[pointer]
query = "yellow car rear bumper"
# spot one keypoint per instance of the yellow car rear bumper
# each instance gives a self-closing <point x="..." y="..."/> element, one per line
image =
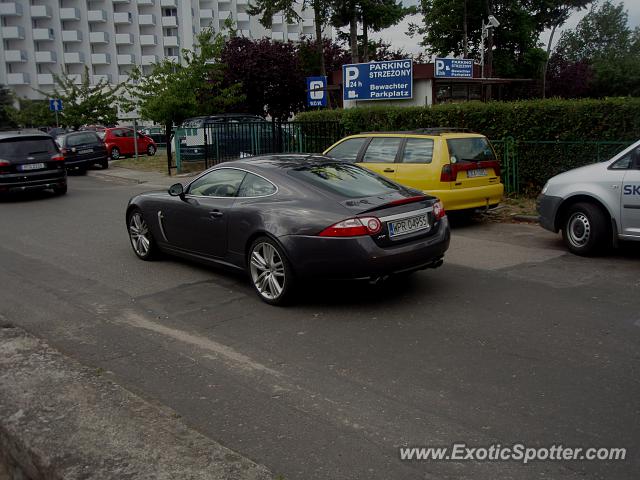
<point x="468" y="198"/>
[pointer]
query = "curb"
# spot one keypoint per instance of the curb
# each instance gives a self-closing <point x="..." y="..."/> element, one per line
<point x="62" y="420"/>
<point x="527" y="218"/>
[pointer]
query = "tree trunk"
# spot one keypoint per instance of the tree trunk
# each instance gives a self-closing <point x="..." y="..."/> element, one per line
<point x="546" y="63"/>
<point x="465" y="37"/>
<point x="167" y="132"/>
<point x="489" y="67"/>
<point x="365" y="40"/>
<point x="353" y="33"/>
<point x="319" y="21"/>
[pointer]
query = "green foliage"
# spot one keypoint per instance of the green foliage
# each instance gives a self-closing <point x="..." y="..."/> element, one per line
<point x="33" y="113"/>
<point x="84" y="103"/>
<point x="613" y="119"/>
<point x="6" y="108"/>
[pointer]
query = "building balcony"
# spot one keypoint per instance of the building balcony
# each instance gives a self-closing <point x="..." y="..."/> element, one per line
<point x="17" y="78"/>
<point x="145" y="20"/>
<point x="98" y="37"/>
<point x="45" y="79"/>
<point x="100" y="59"/>
<point x="242" y="2"/>
<point x="126" y="59"/>
<point x="293" y="36"/>
<point x="46" y="57"/>
<point x="243" y="17"/>
<point x="12" y="33"/>
<point x="71" y="36"/>
<point x="121" y="1"/>
<point x="124" y="39"/>
<point x="146" y="2"/>
<point x="69" y="14"/>
<point x="278" y="36"/>
<point x="123" y="78"/>
<point x="169" y="21"/>
<point x="42" y="34"/>
<point x="120" y="18"/>
<point x="224" y="14"/>
<point x="148" y="59"/>
<point x="40" y="11"/>
<point x="169" y="3"/>
<point x="10" y="9"/>
<point x="96" y="79"/>
<point x="15" y="56"/>
<point x="173" y="58"/>
<point x="170" y="41"/>
<point x="97" y="16"/>
<point x="73" y="57"/>
<point x="75" y="78"/>
<point x="307" y="22"/>
<point x="148" y="40"/>
<point x="206" y="14"/>
<point x="277" y="20"/>
<point x="245" y="33"/>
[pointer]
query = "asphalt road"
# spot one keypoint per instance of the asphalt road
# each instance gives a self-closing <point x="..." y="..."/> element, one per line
<point x="512" y="340"/>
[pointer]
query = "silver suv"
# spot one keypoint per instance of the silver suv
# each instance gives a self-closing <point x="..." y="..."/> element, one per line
<point x="595" y="206"/>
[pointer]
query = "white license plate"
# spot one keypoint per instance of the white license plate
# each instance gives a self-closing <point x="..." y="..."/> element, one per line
<point x="478" y="172"/>
<point x="32" y="166"/>
<point x="408" y="225"/>
<point x="86" y="150"/>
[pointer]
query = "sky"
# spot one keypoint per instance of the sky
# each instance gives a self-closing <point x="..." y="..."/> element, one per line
<point x="397" y="37"/>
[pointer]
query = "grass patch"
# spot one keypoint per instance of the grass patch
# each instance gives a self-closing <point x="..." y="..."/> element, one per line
<point x="156" y="163"/>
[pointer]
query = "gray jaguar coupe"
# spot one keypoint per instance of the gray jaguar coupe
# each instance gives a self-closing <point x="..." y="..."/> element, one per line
<point x="282" y="218"/>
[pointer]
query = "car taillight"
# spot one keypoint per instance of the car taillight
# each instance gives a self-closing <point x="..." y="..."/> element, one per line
<point x="447" y="174"/>
<point x="4" y="163"/>
<point x="438" y="210"/>
<point x="57" y="158"/>
<point x="353" y="227"/>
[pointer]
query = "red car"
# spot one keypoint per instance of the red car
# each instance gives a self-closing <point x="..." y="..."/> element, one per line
<point x="120" y="143"/>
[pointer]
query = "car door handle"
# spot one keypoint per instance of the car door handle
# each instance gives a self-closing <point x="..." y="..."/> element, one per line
<point x="388" y="170"/>
<point x="215" y="214"/>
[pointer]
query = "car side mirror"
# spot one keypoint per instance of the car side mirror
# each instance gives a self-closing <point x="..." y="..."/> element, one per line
<point x="176" y="190"/>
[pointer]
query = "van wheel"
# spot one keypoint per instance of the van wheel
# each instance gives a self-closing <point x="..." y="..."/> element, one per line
<point x="586" y="230"/>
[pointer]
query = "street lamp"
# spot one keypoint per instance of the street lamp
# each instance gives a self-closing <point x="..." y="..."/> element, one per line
<point x="492" y="23"/>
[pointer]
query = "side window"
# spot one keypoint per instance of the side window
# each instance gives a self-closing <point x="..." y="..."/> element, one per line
<point x="117" y="133"/>
<point x="222" y="182"/>
<point x="347" y="150"/>
<point x="255" y="186"/>
<point x="382" y="150"/>
<point x="629" y="161"/>
<point x="418" y="150"/>
<point x="127" y="133"/>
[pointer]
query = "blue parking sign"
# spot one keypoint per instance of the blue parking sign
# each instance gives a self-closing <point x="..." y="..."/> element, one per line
<point x="55" y="104"/>
<point x="453" y="68"/>
<point x="317" y="91"/>
<point x="389" y="80"/>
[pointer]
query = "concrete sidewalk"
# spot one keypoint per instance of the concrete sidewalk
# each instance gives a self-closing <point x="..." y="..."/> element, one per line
<point x="128" y="175"/>
<point x="60" y="420"/>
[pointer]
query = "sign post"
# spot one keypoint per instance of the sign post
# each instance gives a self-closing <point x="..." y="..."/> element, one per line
<point x="55" y="105"/>
<point x="389" y="80"/>
<point x="317" y="91"/>
<point x="453" y="68"/>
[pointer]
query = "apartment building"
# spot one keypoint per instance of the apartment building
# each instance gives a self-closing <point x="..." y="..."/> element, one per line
<point x="43" y="37"/>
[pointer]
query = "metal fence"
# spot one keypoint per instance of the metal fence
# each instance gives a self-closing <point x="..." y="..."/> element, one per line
<point x="526" y="164"/>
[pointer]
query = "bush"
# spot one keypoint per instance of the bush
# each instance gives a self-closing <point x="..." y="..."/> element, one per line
<point x="612" y="119"/>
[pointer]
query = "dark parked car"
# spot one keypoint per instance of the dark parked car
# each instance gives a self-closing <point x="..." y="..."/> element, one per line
<point x="30" y="160"/>
<point x="83" y="149"/>
<point x="55" y="132"/>
<point x="286" y="217"/>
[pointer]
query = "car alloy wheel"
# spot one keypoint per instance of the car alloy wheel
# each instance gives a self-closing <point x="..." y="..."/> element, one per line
<point x="578" y="229"/>
<point x="268" y="271"/>
<point x="151" y="150"/>
<point x="115" y="153"/>
<point x="140" y="235"/>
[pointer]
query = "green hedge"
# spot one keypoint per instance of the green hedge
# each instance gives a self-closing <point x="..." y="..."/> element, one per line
<point x="611" y="120"/>
<point x="552" y="119"/>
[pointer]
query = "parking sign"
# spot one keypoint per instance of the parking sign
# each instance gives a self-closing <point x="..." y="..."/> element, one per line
<point x="389" y="80"/>
<point x="317" y="91"/>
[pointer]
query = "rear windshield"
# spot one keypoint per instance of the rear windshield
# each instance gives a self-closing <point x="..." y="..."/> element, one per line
<point x="344" y="179"/>
<point x="26" y="146"/>
<point x="82" y="139"/>
<point x="475" y="149"/>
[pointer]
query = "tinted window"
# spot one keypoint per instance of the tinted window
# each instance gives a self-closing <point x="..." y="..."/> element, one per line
<point x="223" y="182"/>
<point x="82" y="139"/>
<point x="471" y="149"/>
<point x="382" y="150"/>
<point x="26" y="146"/>
<point x="626" y="162"/>
<point x="347" y="180"/>
<point x="347" y="150"/>
<point x="255" y="186"/>
<point x="418" y="150"/>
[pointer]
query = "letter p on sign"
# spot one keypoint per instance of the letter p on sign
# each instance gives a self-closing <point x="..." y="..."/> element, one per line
<point x="351" y="73"/>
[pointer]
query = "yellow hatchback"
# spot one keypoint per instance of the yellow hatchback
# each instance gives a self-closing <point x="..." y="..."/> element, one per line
<point x="459" y="168"/>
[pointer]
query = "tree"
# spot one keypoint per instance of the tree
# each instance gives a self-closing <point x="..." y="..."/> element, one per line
<point x="83" y="102"/>
<point x="6" y="108"/>
<point x="267" y="8"/>
<point x="176" y="91"/>
<point x="33" y="113"/>
<point x="604" y="41"/>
